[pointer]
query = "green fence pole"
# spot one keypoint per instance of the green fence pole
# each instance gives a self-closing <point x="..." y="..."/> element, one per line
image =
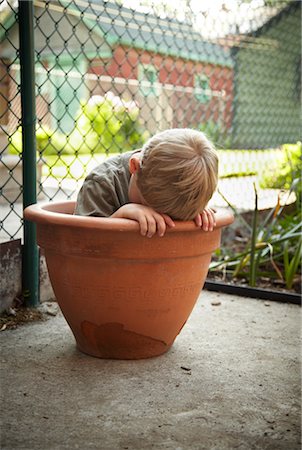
<point x="30" y="256"/>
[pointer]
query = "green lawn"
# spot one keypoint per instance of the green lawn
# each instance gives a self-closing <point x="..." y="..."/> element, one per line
<point x="68" y="166"/>
<point x="246" y="162"/>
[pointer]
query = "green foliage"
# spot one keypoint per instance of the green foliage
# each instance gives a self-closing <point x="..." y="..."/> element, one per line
<point x="221" y="138"/>
<point x="51" y="142"/>
<point x="273" y="249"/>
<point x="15" y="142"/>
<point x="292" y="250"/>
<point x="103" y="125"/>
<point x="287" y="167"/>
<point x="274" y="3"/>
<point x="107" y="124"/>
<point x="48" y="142"/>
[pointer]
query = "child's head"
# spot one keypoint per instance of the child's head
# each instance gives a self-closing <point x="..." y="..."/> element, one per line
<point x="178" y="172"/>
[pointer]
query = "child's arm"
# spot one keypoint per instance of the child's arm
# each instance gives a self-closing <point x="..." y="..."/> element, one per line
<point x="206" y="219"/>
<point x="149" y="220"/>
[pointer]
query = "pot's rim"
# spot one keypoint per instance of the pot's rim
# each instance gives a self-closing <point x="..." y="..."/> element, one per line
<point x="61" y="213"/>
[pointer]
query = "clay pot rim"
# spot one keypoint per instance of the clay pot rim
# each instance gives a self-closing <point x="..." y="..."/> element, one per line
<point x="50" y="214"/>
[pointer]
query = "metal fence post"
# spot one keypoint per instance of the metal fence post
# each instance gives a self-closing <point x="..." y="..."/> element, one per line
<point x="30" y="257"/>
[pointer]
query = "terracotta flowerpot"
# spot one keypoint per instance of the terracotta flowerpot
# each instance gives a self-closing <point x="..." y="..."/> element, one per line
<point x="123" y="295"/>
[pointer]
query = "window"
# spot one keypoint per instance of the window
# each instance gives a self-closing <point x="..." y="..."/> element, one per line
<point x="202" y="88"/>
<point x="148" y="77"/>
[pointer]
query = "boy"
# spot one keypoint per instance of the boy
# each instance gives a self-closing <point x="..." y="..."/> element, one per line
<point x="171" y="178"/>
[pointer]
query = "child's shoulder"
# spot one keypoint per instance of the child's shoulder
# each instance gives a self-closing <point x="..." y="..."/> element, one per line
<point x="119" y="158"/>
<point x="112" y="165"/>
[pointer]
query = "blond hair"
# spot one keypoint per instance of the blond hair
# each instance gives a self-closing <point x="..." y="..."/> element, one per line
<point x="178" y="173"/>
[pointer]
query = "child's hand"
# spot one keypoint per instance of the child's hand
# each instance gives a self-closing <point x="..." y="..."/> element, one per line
<point x="206" y="219"/>
<point x="149" y="220"/>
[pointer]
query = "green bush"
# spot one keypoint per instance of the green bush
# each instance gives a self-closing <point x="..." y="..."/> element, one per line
<point x="15" y="142"/>
<point x="107" y="124"/>
<point x="286" y="169"/>
<point x="48" y="142"/>
<point x="52" y="142"/>
<point x="103" y="125"/>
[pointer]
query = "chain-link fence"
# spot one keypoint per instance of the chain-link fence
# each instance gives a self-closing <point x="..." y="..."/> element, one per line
<point x="108" y="74"/>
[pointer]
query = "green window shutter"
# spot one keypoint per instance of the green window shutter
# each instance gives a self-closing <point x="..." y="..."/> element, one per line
<point x="68" y="91"/>
<point x="202" y="88"/>
<point x="148" y="77"/>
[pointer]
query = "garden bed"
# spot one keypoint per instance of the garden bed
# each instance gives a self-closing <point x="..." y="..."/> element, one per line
<point x="272" y="270"/>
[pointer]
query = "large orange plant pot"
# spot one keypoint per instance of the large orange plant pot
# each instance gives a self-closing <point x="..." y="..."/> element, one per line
<point x="123" y="295"/>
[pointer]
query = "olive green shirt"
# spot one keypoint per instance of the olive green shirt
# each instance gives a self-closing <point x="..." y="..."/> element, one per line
<point x="105" y="189"/>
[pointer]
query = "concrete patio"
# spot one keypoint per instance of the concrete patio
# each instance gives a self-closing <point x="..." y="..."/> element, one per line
<point x="231" y="381"/>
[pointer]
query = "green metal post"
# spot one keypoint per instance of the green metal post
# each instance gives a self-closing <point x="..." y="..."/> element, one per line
<point x="30" y="256"/>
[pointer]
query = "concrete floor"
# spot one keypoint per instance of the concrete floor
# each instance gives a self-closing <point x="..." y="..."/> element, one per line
<point x="231" y="381"/>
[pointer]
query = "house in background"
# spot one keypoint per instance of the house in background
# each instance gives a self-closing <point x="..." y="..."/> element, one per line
<point x="85" y="49"/>
<point x="178" y="79"/>
<point x="267" y="83"/>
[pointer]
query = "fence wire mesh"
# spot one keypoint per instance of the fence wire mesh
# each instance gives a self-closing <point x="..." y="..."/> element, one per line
<point x="109" y="74"/>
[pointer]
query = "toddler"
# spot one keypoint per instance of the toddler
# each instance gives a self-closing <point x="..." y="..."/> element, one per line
<point x="171" y="178"/>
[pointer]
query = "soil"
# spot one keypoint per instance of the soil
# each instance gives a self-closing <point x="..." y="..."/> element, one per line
<point x="20" y="316"/>
<point x="262" y="283"/>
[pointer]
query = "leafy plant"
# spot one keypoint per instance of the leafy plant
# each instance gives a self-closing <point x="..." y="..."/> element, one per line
<point x="49" y="142"/>
<point x="107" y="124"/>
<point x="103" y="125"/>
<point x="288" y="167"/>
<point x="273" y="249"/>
<point x="291" y="260"/>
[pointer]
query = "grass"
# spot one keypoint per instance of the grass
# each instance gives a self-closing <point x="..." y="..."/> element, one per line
<point x="234" y="163"/>
<point x="231" y="163"/>
<point x="69" y="166"/>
